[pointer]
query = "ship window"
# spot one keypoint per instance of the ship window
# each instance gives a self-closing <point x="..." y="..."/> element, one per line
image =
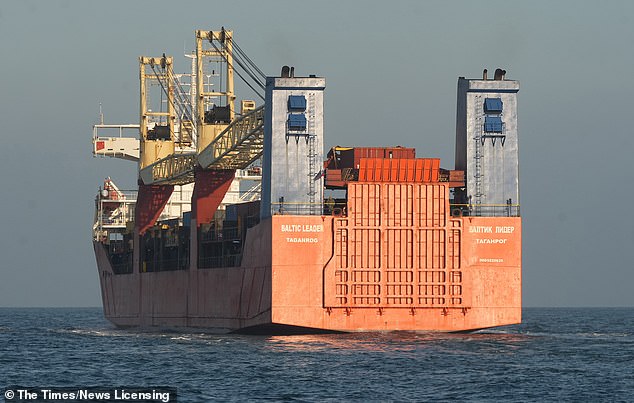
<point x="296" y="121"/>
<point x="493" y="105"/>
<point x="296" y="103"/>
<point x="493" y="124"/>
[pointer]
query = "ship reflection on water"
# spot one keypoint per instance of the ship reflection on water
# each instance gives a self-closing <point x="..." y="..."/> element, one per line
<point x="401" y="342"/>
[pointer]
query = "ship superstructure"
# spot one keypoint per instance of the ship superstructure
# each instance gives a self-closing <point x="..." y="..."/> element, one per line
<point x="240" y="223"/>
<point x="487" y="144"/>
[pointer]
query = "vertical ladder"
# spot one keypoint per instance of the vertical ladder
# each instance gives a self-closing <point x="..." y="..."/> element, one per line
<point x="185" y="111"/>
<point x="312" y="155"/>
<point x="181" y="104"/>
<point x="479" y="145"/>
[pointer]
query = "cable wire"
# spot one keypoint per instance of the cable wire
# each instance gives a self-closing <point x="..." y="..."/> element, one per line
<point x="239" y="62"/>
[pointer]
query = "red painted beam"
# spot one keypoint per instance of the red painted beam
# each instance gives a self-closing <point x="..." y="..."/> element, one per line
<point x="149" y="205"/>
<point x="210" y="188"/>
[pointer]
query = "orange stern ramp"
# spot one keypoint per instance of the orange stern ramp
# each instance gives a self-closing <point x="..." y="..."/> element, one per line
<point x="398" y="261"/>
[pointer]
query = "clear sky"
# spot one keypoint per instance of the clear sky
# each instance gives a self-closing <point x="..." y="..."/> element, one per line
<point x="391" y="71"/>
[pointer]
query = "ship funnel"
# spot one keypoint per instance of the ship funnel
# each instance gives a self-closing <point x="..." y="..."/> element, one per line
<point x="292" y="179"/>
<point x="487" y="112"/>
<point x="499" y="74"/>
<point x="484" y="74"/>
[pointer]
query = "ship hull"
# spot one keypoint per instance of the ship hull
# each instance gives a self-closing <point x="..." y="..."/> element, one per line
<point x="324" y="273"/>
<point x="219" y="300"/>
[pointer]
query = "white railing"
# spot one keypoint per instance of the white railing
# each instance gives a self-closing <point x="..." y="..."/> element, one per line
<point x="115" y="211"/>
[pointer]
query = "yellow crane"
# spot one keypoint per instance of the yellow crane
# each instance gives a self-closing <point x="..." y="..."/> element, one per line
<point x="221" y="140"/>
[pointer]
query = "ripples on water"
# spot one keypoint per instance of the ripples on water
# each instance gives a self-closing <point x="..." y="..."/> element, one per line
<point x="555" y="355"/>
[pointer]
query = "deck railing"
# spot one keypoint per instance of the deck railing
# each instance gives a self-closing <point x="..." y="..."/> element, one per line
<point x="485" y="210"/>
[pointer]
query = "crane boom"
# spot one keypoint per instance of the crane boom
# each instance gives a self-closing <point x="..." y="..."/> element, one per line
<point x="236" y="147"/>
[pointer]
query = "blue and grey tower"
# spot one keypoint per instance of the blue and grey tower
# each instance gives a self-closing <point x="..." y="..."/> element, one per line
<point x="487" y="145"/>
<point x="292" y="180"/>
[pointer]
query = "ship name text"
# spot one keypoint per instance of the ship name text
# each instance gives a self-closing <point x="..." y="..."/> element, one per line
<point x="482" y="229"/>
<point x="302" y="228"/>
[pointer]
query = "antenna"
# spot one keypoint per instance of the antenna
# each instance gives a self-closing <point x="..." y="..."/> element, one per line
<point x="100" y="114"/>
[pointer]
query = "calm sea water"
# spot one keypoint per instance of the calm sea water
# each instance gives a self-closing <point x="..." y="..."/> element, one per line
<point x="555" y="355"/>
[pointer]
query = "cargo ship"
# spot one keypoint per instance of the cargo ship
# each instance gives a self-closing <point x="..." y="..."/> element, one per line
<point x="240" y="223"/>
